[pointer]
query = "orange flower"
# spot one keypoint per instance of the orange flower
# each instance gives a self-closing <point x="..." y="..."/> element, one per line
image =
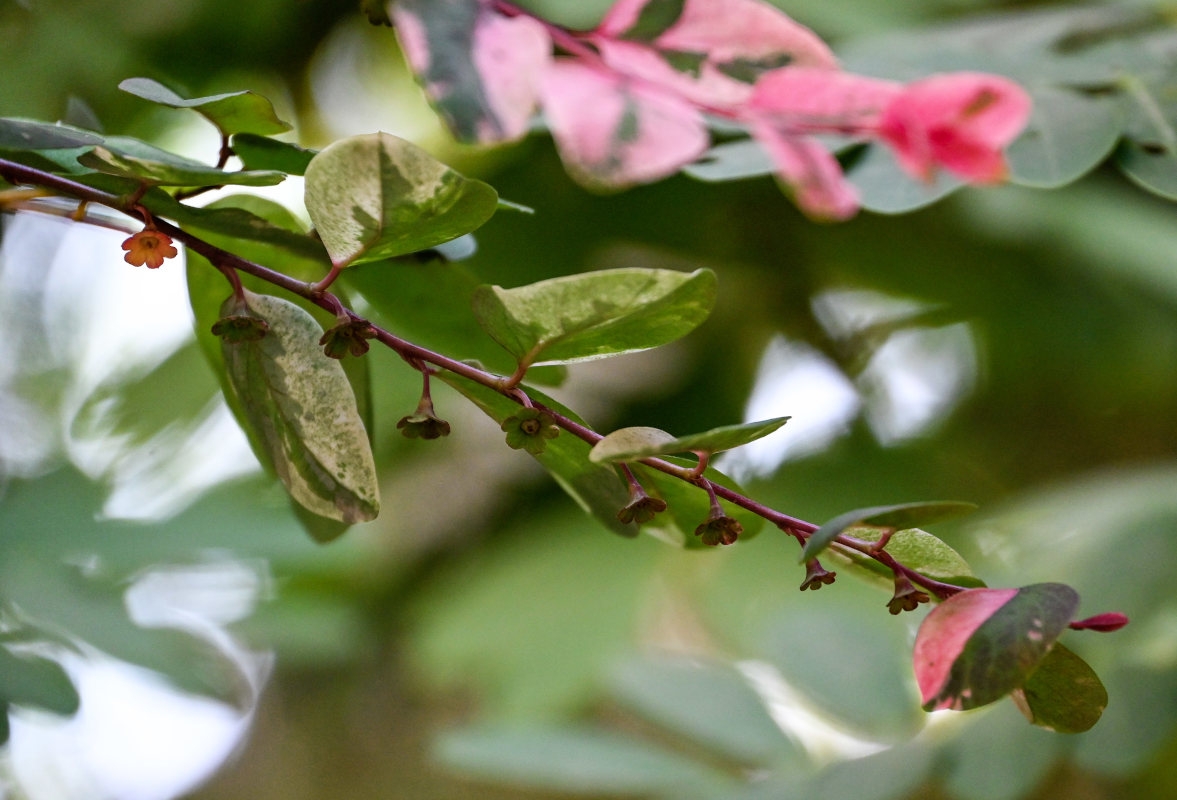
<point x="148" y="247"/>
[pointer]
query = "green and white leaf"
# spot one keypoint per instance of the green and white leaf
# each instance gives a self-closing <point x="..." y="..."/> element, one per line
<point x="595" y="314"/>
<point x="131" y="158"/>
<point x="1068" y="135"/>
<point x="377" y="196"/>
<point x="918" y="549"/>
<point x="23" y="134"/>
<point x="300" y="407"/>
<point x="234" y="112"/>
<point x="634" y="444"/>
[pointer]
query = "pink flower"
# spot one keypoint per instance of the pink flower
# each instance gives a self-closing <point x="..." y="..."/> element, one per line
<point x="961" y="121"/>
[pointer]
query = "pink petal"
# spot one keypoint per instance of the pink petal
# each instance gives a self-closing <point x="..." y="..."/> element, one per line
<point x="511" y="56"/>
<point x="961" y="121"/>
<point x="821" y="99"/>
<point x="813" y="174"/>
<point x="945" y="632"/>
<point x="613" y="133"/>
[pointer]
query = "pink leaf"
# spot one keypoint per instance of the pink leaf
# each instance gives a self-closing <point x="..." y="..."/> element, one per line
<point x="511" y="56"/>
<point x="944" y="633"/>
<point x="480" y="69"/>
<point x="961" y="121"/>
<point x="810" y="171"/>
<point x="819" y="99"/>
<point x="612" y="132"/>
<point x="713" y="51"/>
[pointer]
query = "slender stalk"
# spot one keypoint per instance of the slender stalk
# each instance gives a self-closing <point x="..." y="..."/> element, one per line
<point x="230" y="264"/>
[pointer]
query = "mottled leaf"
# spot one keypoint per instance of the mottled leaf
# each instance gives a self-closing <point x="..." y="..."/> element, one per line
<point x="634" y="444"/>
<point x="614" y="132"/>
<point x="300" y="405"/>
<point x="895" y="517"/>
<point x="130" y="158"/>
<point x="262" y="152"/>
<point x="480" y="69"/>
<point x="234" y="112"/>
<point x="1063" y="694"/>
<point x="707" y="51"/>
<point x="981" y="644"/>
<point x="595" y="314"/>
<point x="920" y="550"/>
<point x="376" y="196"/>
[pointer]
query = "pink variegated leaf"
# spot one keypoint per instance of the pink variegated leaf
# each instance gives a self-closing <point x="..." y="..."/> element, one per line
<point x="710" y="51"/>
<point x="982" y="644"/>
<point x="480" y="69"/>
<point x="823" y="100"/>
<point x="612" y="132"/>
<point x="810" y="171"/>
<point x="959" y="121"/>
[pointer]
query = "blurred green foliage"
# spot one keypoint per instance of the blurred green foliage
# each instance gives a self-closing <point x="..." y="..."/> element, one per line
<point x="486" y="626"/>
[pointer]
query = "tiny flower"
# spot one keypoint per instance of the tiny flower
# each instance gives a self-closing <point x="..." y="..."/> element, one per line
<point x="1104" y="623"/>
<point x="347" y="337"/>
<point x="148" y="247"/>
<point x="424" y="423"/>
<point x="238" y="328"/>
<point x="529" y="430"/>
<point x="719" y="530"/>
<point x="641" y="509"/>
<point x="816" y="576"/>
<point x="906" y="597"/>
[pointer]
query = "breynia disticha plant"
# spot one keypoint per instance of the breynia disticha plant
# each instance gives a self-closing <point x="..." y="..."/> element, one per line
<point x="629" y="102"/>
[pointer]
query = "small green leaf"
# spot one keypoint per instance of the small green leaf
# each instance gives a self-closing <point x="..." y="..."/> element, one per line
<point x="634" y="444"/>
<point x="920" y="550"/>
<point x="1068" y="134"/>
<point x="1149" y="166"/>
<point x="980" y="645"/>
<point x="27" y="680"/>
<point x="574" y="759"/>
<point x="235" y="112"/>
<point x="896" y="517"/>
<point x="598" y="489"/>
<point x="732" y="161"/>
<point x="21" y="134"/>
<point x="1063" y="694"/>
<point x="596" y="314"/>
<point x="887" y="189"/>
<point x="300" y="407"/>
<point x="377" y="196"/>
<point x="262" y="152"/>
<point x="131" y="158"/>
